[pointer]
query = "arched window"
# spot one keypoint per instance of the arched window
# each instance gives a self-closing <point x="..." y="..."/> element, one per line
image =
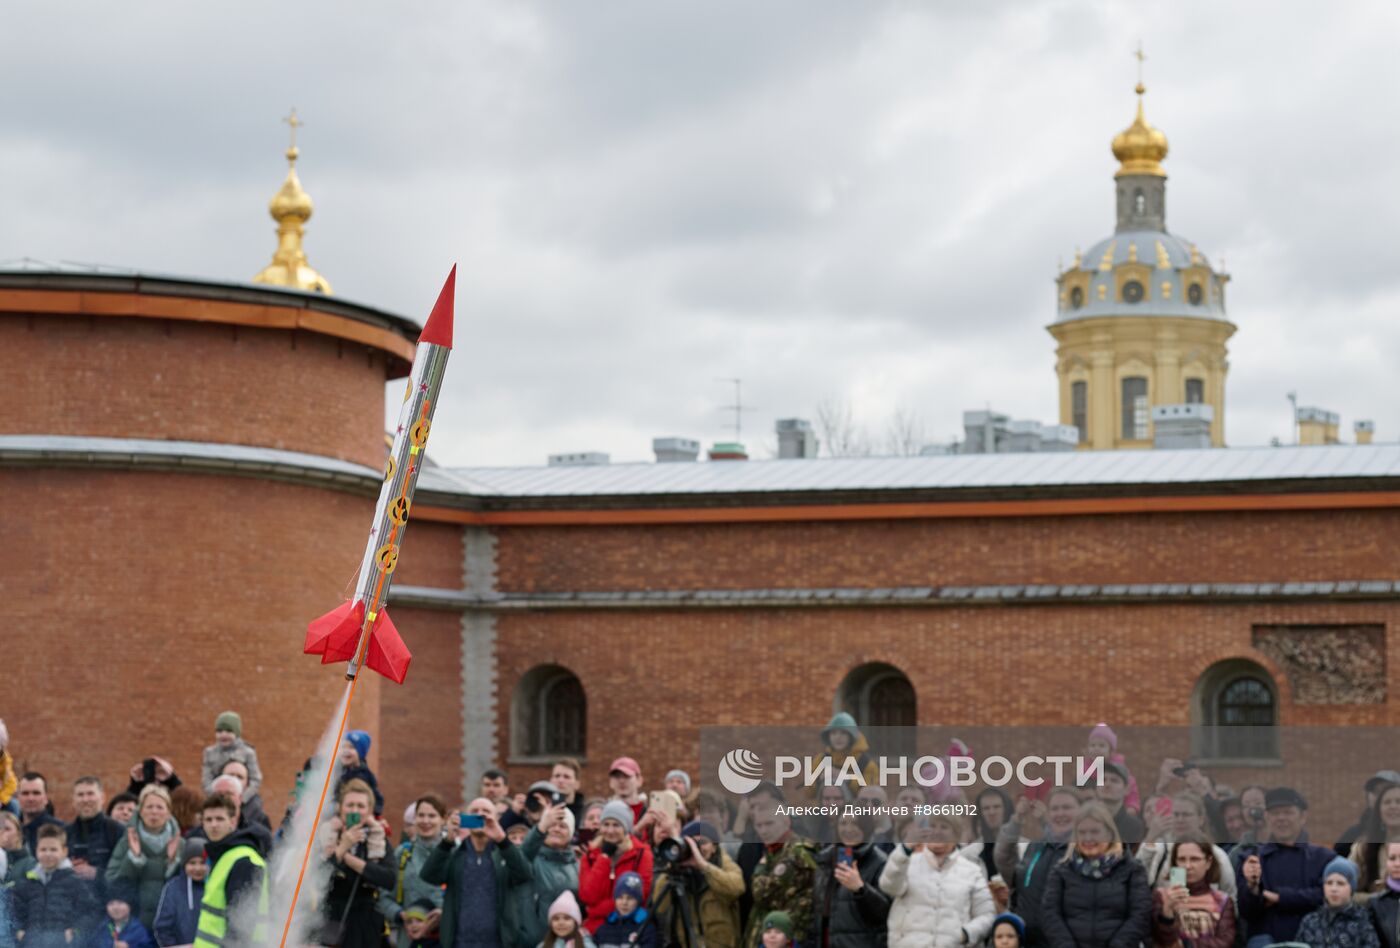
<point x="1235" y="713"/>
<point x="881" y="696"/>
<point x="1195" y="391"/>
<point x="1079" y="408"/>
<point x="1134" y="408"/>
<point x="1139" y="203"/>
<point x="549" y="714"/>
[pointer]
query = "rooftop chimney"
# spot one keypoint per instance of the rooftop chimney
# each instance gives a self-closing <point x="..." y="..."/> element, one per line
<point x="1365" y="431"/>
<point x="1182" y="426"/>
<point x="675" y="449"/>
<point x="796" y="439"/>
<point x="728" y="451"/>
<point x="986" y="432"/>
<point x="579" y="459"/>
<point x="1318" y="426"/>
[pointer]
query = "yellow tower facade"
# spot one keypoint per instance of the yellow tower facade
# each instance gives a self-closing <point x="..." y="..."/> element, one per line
<point x="1141" y="316"/>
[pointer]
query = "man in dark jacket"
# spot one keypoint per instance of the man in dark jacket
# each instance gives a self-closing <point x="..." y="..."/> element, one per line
<point x="35" y="808"/>
<point x="1281" y="882"/>
<point x="477" y="866"/>
<point x="92" y="836"/>
<point x="849" y="907"/>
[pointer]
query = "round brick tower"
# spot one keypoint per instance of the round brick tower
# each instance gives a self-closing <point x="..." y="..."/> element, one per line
<point x="188" y="469"/>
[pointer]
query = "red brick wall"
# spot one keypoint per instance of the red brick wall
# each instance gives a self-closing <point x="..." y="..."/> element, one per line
<point x="1219" y="547"/>
<point x="140" y="605"/>
<point x="145" y="378"/>
<point x="653" y="679"/>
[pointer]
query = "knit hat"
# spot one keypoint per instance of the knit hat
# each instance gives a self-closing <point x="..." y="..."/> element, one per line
<point x="1104" y="731"/>
<point x="617" y="810"/>
<point x="193" y="848"/>
<point x="841" y="721"/>
<point x="570" y="822"/>
<point x="1015" y="921"/>
<point x="360" y="741"/>
<point x="779" y="920"/>
<point x="410" y="814"/>
<point x="1113" y="767"/>
<point x="701" y="828"/>
<point x="629" y="883"/>
<point x="229" y="721"/>
<point x="566" y="904"/>
<point x="1343" y="867"/>
<point x="680" y="774"/>
<point x="511" y="818"/>
<point x="419" y="909"/>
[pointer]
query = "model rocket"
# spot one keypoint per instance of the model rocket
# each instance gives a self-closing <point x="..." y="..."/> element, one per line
<point x="360" y="632"/>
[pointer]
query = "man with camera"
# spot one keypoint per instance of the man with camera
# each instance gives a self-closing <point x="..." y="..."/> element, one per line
<point x="1281" y="881"/>
<point x="477" y="864"/>
<point x="698" y="887"/>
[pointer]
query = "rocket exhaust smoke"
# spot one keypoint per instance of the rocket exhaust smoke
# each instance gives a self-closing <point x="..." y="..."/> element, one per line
<point x="286" y="861"/>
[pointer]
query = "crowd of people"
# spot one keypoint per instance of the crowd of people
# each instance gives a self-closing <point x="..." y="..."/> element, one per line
<point x="1174" y="860"/>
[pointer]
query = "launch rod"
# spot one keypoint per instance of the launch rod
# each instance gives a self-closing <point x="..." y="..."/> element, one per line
<point x="315" y="819"/>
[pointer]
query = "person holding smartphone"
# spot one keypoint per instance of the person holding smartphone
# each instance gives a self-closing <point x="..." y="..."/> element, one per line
<point x="357" y="849"/>
<point x="1189" y="908"/>
<point x="478" y="865"/>
<point x="849" y="907"/>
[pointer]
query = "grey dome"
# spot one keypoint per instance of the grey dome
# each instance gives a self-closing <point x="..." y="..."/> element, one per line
<point x="1168" y="256"/>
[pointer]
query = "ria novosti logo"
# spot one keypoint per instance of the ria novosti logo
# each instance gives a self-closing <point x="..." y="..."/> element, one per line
<point x="740" y="771"/>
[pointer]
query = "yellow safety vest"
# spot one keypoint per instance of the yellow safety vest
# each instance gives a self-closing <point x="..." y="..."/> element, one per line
<point x="212" y="930"/>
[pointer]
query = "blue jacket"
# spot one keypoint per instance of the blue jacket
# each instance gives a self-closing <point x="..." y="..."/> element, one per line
<point x="1295" y="873"/>
<point x="133" y="933"/>
<point x="626" y="931"/>
<point x="177" y="913"/>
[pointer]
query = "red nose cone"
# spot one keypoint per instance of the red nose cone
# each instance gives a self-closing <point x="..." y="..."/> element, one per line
<point x="438" y="330"/>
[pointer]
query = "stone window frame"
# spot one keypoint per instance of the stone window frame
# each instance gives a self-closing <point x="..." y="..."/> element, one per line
<point x="531" y="711"/>
<point x="1211" y="686"/>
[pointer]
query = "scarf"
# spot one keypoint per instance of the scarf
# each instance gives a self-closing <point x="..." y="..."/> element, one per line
<point x="1392" y="883"/>
<point x="1095" y="868"/>
<point x="153" y="844"/>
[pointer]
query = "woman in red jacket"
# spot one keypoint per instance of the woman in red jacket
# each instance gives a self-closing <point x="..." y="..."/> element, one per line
<point x="613" y="851"/>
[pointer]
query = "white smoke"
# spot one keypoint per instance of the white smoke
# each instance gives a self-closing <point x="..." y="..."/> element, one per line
<point x="287" y="856"/>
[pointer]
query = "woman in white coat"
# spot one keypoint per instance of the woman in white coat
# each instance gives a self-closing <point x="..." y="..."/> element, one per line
<point x="940" y="898"/>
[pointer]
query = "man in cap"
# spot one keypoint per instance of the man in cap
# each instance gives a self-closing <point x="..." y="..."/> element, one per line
<point x="1281" y="882"/>
<point x="625" y="780"/>
<point x="1111" y="794"/>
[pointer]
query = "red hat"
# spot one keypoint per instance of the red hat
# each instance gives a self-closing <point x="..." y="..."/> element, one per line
<point x="627" y="765"/>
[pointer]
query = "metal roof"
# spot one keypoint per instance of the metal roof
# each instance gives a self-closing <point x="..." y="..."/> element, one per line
<point x="939" y="472"/>
<point x="1324" y="465"/>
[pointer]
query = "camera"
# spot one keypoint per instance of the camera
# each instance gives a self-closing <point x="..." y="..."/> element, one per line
<point x="672" y="852"/>
<point x="534" y="802"/>
<point x="1256" y="814"/>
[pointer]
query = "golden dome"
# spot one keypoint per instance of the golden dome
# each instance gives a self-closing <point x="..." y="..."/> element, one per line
<point x="291" y="208"/>
<point x="1140" y="148"/>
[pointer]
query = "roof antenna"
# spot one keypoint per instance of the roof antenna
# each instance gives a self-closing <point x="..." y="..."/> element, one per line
<point x="738" y="408"/>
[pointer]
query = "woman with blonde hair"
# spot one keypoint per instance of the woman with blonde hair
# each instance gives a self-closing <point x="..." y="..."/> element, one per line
<point x="149" y="853"/>
<point x="1098" y="896"/>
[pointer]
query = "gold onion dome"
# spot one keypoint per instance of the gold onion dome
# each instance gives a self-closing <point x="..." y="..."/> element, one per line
<point x="1140" y="148"/>
<point x="291" y="207"/>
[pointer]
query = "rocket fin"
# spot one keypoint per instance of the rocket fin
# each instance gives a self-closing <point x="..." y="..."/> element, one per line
<point x="387" y="653"/>
<point x="335" y="635"/>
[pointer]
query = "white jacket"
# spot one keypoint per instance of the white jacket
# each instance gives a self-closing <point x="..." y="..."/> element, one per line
<point x="934" y="906"/>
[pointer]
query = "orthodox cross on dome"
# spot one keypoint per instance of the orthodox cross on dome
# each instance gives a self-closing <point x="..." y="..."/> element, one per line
<point x="295" y="123"/>
<point x="1141" y="57"/>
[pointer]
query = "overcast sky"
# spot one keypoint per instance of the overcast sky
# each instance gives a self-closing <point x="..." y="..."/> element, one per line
<point x="852" y="201"/>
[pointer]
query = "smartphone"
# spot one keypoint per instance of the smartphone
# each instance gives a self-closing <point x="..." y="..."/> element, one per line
<point x="1164" y="806"/>
<point x="1178" y="876"/>
<point x="148" y="770"/>
<point x="471" y="821"/>
<point x="585" y="836"/>
<point x="352" y="819"/>
<point x="844" y="856"/>
<point x="664" y="801"/>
